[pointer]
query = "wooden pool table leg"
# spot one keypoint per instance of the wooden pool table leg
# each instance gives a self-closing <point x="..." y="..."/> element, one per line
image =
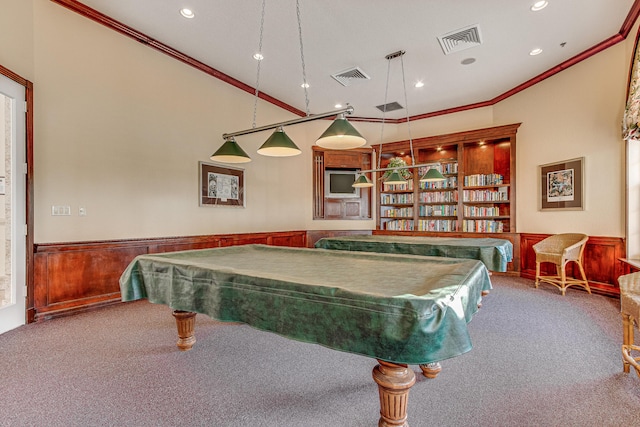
<point x="394" y="381"/>
<point x="431" y="370"/>
<point x="186" y="323"/>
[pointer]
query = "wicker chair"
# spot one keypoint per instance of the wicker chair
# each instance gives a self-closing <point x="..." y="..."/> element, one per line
<point x="630" y="309"/>
<point x="560" y="249"/>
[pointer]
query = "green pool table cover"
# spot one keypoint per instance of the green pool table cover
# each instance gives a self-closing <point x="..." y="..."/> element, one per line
<point x="494" y="253"/>
<point x="397" y="308"/>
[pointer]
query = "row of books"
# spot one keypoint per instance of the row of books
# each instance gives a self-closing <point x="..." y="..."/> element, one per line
<point x="450" y="182"/>
<point x="439" y="197"/>
<point x="486" y="195"/>
<point x="482" y="226"/>
<point x="481" y="211"/>
<point x="408" y="186"/>
<point x="438" y="210"/>
<point x="396" y="198"/>
<point x="437" y="225"/>
<point x="397" y="212"/>
<point x="399" y="225"/>
<point x="479" y="180"/>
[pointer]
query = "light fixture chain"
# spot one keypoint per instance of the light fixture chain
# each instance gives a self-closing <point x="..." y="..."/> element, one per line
<point x="406" y="106"/>
<point x="384" y="110"/>
<point x="257" y="91"/>
<point x="304" y="72"/>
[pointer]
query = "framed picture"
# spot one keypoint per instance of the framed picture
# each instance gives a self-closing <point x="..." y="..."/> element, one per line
<point x="562" y="185"/>
<point x="221" y="185"/>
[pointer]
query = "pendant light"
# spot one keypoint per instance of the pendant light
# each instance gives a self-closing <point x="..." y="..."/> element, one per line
<point x="230" y="152"/>
<point x="362" y="182"/>
<point x="279" y="145"/>
<point x="395" y="178"/>
<point x="432" y="175"/>
<point x="341" y="135"/>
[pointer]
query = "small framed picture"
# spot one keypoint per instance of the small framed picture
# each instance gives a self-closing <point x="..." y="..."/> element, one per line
<point x="562" y="185"/>
<point x="221" y="185"/>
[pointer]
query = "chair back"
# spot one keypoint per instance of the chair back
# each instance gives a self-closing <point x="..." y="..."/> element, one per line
<point x="567" y="244"/>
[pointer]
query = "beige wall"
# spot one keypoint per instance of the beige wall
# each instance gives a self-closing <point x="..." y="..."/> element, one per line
<point x="120" y="129"/>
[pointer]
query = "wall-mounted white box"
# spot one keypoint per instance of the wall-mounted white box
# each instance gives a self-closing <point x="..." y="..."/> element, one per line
<point x="60" y="210"/>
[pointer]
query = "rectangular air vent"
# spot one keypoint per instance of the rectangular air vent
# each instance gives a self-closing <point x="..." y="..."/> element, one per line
<point x="346" y="77"/>
<point x="461" y="39"/>
<point x="392" y="106"/>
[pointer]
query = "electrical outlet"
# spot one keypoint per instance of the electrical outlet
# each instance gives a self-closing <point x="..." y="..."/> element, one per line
<point x="82" y="211"/>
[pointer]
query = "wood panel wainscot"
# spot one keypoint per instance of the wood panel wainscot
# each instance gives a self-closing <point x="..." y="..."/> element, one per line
<point x="602" y="262"/>
<point x="78" y="276"/>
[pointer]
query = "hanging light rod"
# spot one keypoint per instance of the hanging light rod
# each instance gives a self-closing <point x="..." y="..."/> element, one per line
<point x="311" y="117"/>
<point x="422" y="165"/>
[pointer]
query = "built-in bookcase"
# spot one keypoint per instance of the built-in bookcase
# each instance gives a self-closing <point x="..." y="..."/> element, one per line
<point x="477" y="196"/>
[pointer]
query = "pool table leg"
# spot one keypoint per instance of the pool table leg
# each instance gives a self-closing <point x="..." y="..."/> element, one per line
<point x="186" y="323"/>
<point x="394" y="381"/>
<point x="431" y="370"/>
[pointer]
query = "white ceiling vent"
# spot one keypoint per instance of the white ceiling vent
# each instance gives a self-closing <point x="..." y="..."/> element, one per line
<point x="346" y="77"/>
<point x="461" y="39"/>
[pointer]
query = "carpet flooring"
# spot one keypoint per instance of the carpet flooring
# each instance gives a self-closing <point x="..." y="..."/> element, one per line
<point x="539" y="359"/>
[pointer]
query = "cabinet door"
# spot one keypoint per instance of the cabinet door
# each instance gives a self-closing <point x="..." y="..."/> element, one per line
<point x="342" y="159"/>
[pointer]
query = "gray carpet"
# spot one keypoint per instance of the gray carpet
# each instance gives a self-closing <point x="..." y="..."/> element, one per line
<point x="539" y="359"/>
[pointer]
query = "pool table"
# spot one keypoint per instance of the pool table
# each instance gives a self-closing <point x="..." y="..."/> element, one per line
<point x="494" y="253"/>
<point x="397" y="309"/>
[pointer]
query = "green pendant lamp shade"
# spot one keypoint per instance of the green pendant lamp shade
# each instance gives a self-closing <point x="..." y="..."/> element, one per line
<point x="395" y="178"/>
<point x="341" y="135"/>
<point x="432" y="175"/>
<point x="230" y="152"/>
<point x="362" y="182"/>
<point x="279" y="145"/>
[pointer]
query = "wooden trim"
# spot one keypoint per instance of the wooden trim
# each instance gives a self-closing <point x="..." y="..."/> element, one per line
<point x="29" y="185"/>
<point x="456" y="137"/>
<point x="79" y="276"/>
<point x="602" y="262"/>
<point x="123" y="29"/>
<point x="115" y="25"/>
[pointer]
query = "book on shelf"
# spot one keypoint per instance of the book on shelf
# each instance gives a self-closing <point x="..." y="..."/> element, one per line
<point x="482" y="226"/>
<point x="439" y="197"/>
<point x="501" y="195"/>
<point x="479" y="180"/>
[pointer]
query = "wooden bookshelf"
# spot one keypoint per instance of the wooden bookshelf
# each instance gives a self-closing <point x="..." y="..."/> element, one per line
<point x="478" y="195"/>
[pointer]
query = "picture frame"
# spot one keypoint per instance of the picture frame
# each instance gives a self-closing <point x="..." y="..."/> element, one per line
<point x="221" y="185"/>
<point x="562" y="185"/>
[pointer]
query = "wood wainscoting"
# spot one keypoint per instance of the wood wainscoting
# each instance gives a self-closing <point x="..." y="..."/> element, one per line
<point x="602" y="262"/>
<point x="78" y="276"/>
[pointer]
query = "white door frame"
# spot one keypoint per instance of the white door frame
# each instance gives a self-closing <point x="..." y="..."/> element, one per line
<point x="14" y="314"/>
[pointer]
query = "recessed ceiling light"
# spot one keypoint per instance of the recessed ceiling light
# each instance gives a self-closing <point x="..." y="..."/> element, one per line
<point x="419" y="84"/>
<point x="468" y="61"/>
<point x="536" y="51"/>
<point x="539" y="5"/>
<point x="304" y="85"/>
<point x="258" y="56"/>
<point x="187" y="13"/>
<point x="338" y="106"/>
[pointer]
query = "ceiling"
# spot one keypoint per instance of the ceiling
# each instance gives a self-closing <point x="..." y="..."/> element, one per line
<point x="339" y="35"/>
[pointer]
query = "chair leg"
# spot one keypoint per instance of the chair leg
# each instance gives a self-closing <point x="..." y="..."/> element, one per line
<point x="584" y="277"/>
<point x="627" y="338"/>
<point x="537" y="274"/>
<point x="563" y="277"/>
